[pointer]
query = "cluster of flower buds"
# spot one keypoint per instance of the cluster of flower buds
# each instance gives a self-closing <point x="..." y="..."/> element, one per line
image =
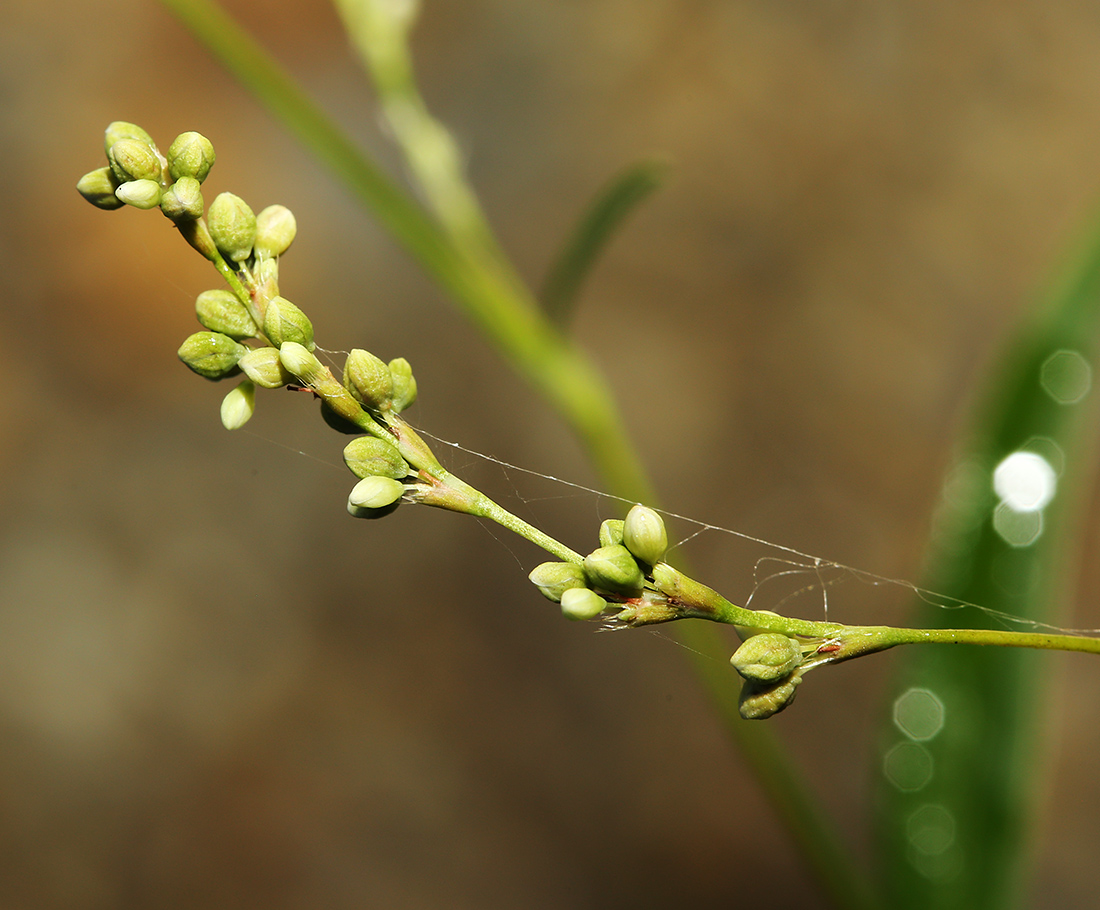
<point x="618" y="571"/>
<point x="138" y="174"/>
<point x="249" y="328"/>
<point x="771" y="665"/>
<point x="381" y="470"/>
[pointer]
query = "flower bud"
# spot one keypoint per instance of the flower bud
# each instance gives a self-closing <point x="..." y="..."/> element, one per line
<point x="190" y="155"/>
<point x="611" y="532"/>
<point x="98" y="187"/>
<point x="275" y="231"/>
<point x="553" y="579"/>
<point x="284" y="322"/>
<point x="301" y="363"/>
<point x="232" y="225"/>
<point x="368" y="456"/>
<point x="404" y="384"/>
<point x="369" y="380"/>
<point x="581" y="603"/>
<point x="119" y="130"/>
<point x="182" y="201"/>
<point x="132" y="159"/>
<point x="760" y="700"/>
<point x="238" y="406"/>
<point x="644" y="534"/>
<point x="375" y="493"/>
<point x="141" y="194"/>
<point x="767" y="657"/>
<point x="220" y="311"/>
<point x="211" y="354"/>
<point x="265" y="368"/>
<point x="613" y="569"/>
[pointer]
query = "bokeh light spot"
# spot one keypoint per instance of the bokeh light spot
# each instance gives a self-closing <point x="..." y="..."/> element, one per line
<point x="908" y="766"/>
<point x="1018" y="529"/>
<point x="931" y="829"/>
<point x="1025" y="481"/>
<point x="1066" y="377"/>
<point x="919" y="714"/>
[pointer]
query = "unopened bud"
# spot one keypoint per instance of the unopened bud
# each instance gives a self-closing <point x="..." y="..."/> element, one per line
<point x="232" y="225"/>
<point x="369" y="380"/>
<point x="300" y="362"/>
<point x="220" y="311"/>
<point x="211" y="354"/>
<point x="611" y="532"/>
<point x="375" y="493"/>
<point x="182" y="201"/>
<point x="98" y="187"/>
<point x="644" y="534"/>
<point x="119" y="130"/>
<point x="613" y="569"/>
<point x="238" y="406"/>
<point x="404" y="384"/>
<point x="190" y="155"/>
<point x="141" y="194"/>
<point x="275" y="231"/>
<point x="760" y="700"/>
<point x="767" y="657"/>
<point x="265" y="368"/>
<point x="132" y="159"/>
<point x="553" y="579"/>
<point x="284" y="322"/>
<point x="582" y="603"/>
<point x="368" y="456"/>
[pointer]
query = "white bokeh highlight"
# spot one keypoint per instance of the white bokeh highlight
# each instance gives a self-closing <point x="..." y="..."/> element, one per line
<point x="1025" y="482"/>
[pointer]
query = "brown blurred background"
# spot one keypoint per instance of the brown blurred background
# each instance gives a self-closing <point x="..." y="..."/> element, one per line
<point x="216" y="690"/>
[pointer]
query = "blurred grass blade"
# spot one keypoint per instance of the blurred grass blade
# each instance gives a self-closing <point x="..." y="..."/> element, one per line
<point x="604" y="215"/>
<point x="962" y="756"/>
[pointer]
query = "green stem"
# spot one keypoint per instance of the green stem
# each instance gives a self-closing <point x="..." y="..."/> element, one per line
<point x="510" y="319"/>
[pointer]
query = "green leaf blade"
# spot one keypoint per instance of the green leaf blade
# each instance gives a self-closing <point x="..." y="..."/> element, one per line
<point x="605" y="215"/>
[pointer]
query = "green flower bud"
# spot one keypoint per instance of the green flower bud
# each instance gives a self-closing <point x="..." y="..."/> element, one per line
<point x="275" y="231"/>
<point x="767" y="657"/>
<point x="232" y="225"/>
<point x="369" y="380"/>
<point x="375" y="493"/>
<point x="284" y="322"/>
<point x="220" y="311"/>
<point x="265" y="368"/>
<point x="368" y="456"/>
<point x="581" y="603"/>
<point x="98" y="187"/>
<point x="141" y="194"/>
<point x="238" y="406"/>
<point x="553" y="579"/>
<point x="301" y="363"/>
<point x="644" y="534"/>
<point x="132" y="159"/>
<point x="611" y="532"/>
<point x="404" y="384"/>
<point x="190" y="155"/>
<point x="613" y="569"/>
<point x="760" y="700"/>
<point x="182" y="201"/>
<point x="211" y="354"/>
<point x="120" y="130"/>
